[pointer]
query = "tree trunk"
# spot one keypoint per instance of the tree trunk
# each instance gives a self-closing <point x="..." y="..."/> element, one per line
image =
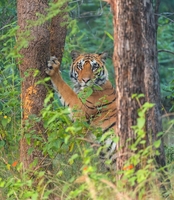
<point x="35" y="57"/>
<point x="151" y="75"/>
<point x="135" y="62"/>
<point x="58" y="33"/>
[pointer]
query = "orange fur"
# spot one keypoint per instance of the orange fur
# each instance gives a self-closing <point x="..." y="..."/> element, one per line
<point x="99" y="109"/>
<point x="101" y="102"/>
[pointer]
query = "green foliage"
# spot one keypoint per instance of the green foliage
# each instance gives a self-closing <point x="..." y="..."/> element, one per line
<point x="10" y="111"/>
<point x="166" y="6"/>
<point x="166" y="71"/>
<point x="84" y="94"/>
<point x="165" y="58"/>
<point x="17" y="187"/>
<point x="78" y="173"/>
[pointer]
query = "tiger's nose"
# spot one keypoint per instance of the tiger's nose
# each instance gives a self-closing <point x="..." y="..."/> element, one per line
<point x="86" y="80"/>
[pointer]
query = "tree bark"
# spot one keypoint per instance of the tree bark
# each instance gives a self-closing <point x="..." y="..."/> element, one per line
<point x="135" y="62"/>
<point x="58" y="33"/>
<point x="151" y="75"/>
<point x="34" y="57"/>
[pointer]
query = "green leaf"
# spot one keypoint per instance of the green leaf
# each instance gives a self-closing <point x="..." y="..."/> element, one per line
<point x="109" y="35"/>
<point x="140" y="95"/>
<point x="148" y="105"/>
<point x="2" y="183"/>
<point x="97" y="87"/>
<point x="134" y="96"/>
<point x="141" y="175"/>
<point x="143" y="142"/>
<point x="4" y="122"/>
<point x="2" y="143"/>
<point x="73" y="157"/>
<point x="67" y="139"/>
<point x="159" y="134"/>
<point x="84" y="94"/>
<point x="48" y="98"/>
<point x="141" y="122"/>
<point x="30" y="150"/>
<point x="157" y="143"/>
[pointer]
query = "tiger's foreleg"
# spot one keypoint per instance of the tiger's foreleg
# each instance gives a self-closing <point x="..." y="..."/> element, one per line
<point x="69" y="97"/>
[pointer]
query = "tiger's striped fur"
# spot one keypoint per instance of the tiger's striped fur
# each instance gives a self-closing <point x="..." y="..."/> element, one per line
<point x="99" y="108"/>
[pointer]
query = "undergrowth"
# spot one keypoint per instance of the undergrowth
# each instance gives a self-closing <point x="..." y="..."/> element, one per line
<point x="78" y="173"/>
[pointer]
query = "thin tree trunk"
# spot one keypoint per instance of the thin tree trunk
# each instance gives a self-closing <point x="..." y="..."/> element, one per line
<point x="151" y="76"/>
<point x="135" y="62"/>
<point x="58" y="33"/>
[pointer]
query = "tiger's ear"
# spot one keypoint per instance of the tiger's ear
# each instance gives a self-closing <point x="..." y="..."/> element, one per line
<point x="74" y="54"/>
<point x="103" y="55"/>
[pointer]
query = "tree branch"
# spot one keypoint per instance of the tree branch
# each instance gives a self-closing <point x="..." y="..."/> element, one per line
<point x="165" y="50"/>
<point x="165" y="15"/>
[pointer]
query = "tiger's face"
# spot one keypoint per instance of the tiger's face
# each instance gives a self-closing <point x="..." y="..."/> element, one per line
<point x="88" y="69"/>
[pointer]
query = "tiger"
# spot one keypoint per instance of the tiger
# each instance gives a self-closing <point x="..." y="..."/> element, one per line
<point x="99" y="108"/>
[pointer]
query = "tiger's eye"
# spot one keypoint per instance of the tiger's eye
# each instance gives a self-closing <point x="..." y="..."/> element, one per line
<point x="79" y="65"/>
<point x="95" y="66"/>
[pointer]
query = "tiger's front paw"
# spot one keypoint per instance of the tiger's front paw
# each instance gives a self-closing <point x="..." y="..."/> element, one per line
<point x="53" y="66"/>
